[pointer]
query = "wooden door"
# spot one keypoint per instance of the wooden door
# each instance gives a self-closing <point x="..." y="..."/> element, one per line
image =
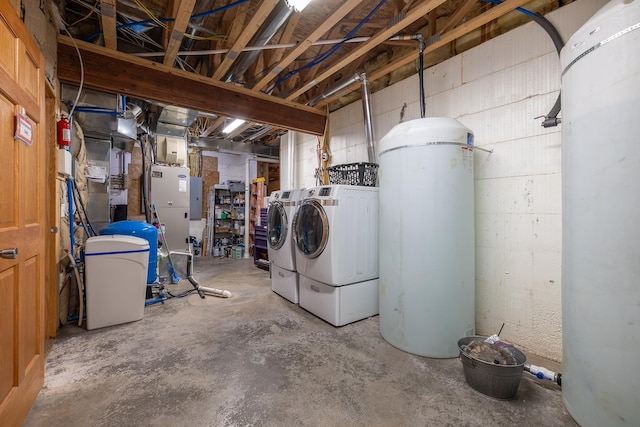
<point x="22" y="221"/>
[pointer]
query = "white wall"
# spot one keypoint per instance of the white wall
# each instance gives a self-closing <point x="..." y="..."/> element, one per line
<point x="496" y="89"/>
<point x="231" y="166"/>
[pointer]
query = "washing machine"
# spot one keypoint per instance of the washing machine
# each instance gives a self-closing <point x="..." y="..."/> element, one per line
<point x="335" y="230"/>
<point x="284" y="278"/>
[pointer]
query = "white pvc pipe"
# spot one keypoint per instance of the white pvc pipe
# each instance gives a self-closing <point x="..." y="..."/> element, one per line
<point x="247" y="204"/>
<point x="253" y="48"/>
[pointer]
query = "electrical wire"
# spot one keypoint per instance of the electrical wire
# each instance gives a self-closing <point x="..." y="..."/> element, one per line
<point x="161" y="21"/>
<point x="75" y="102"/>
<point x="324" y="56"/>
<point x="93" y="9"/>
<point x="181" y="294"/>
<point x="84" y="209"/>
<point x="83" y="222"/>
<point x="150" y="14"/>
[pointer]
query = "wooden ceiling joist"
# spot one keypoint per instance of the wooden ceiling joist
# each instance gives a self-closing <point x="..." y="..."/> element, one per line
<point x="247" y="33"/>
<point x="177" y="30"/>
<point x="464" y="28"/>
<point x="458" y="15"/>
<point x="239" y="130"/>
<point x="413" y="15"/>
<point x="305" y="44"/>
<point x="108" y="13"/>
<point x="115" y="72"/>
<point x="213" y="126"/>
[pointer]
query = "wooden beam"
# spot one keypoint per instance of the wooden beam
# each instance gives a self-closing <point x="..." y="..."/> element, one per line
<point x="310" y="73"/>
<point x="459" y="15"/>
<point x="240" y="129"/>
<point x="171" y="10"/>
<point x="213" y="126"/>
<point x="233" y="23"/>
<point x="108" y="12"/>
<point x="432" y="23"/>
<point x="185" y="9"/>
<point x="247" y="33"/>
<point x="413" y="15"/>
<point x="332" y="20"/>
<point x="465" y="28"/>
<point x="115" y="72"/>
<point x="377" y="24"/>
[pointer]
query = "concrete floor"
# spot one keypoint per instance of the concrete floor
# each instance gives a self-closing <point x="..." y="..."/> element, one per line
<point x="258" y="360"/>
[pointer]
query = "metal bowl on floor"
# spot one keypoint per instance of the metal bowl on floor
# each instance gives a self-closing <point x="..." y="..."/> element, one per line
<point x="499" y="379"/>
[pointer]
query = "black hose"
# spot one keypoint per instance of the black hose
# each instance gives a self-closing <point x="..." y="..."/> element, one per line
<point x="551" y="119"/>
<point x="421" y="76"/>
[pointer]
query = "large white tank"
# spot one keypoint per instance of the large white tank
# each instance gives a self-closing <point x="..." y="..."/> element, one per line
<point x="601" y="218"/>
<point x="426" y="220"/>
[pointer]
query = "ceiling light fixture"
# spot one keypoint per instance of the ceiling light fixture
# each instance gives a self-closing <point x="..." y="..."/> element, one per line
<point x="298" y="4"/>
<point x="232" y="126"/>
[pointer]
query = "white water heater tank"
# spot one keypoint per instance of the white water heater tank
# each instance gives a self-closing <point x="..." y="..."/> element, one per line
<point x="426" y="220"/>
<point x="601" y="218"/>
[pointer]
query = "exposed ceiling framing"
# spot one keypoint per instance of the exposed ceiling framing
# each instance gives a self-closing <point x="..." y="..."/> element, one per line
<point x="193" y="45"/>
<point x="111" y="71"/>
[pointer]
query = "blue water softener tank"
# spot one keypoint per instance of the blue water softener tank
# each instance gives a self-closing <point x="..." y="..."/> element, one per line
<point x="144" y="231"/>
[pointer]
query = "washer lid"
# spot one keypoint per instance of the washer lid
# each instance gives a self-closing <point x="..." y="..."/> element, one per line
<point x="115" y="243"/>
<point x="427" y="131"/>
<point x="311" y="229"/>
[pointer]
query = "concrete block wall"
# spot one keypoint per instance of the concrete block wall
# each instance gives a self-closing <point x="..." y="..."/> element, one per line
<point x="497" y="90"/>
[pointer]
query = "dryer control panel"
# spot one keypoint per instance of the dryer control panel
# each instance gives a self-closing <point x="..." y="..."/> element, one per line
<point x="325" y="192"/>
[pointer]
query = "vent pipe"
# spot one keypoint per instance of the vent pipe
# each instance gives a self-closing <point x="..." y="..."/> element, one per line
<point x="366" y="107"/>
<point x="368" y="119"/>
<point x="276" y="19"/>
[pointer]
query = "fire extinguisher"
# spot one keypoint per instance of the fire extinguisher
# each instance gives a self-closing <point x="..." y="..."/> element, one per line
<point x="64" y="132"/>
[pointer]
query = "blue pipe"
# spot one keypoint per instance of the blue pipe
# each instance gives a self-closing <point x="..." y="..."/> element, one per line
<point x="70" y="197"/>
<point x="70" y="194"/>
<point x="165" y="20"/>
<point x="96" y="110"/>
<point x="519" y="9"/>
<point x="328" y="53"/>
<point x="161" y="298"/>
<point x="153" y="301"/>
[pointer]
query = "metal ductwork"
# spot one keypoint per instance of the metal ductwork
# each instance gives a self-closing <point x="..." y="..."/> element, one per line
<point x="102" y="116"/>
<point x="174" y="121"/>
<point x="276" y="19"/>
<point x="231" y="147"/>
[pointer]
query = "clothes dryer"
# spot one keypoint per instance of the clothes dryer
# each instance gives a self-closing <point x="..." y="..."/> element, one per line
<point x="280" y="213"/>
<point x="336" y="234"/>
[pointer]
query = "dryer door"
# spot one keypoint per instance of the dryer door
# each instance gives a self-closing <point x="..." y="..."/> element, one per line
<point x="277" y="225"/>
<point x="311" y="228"/>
